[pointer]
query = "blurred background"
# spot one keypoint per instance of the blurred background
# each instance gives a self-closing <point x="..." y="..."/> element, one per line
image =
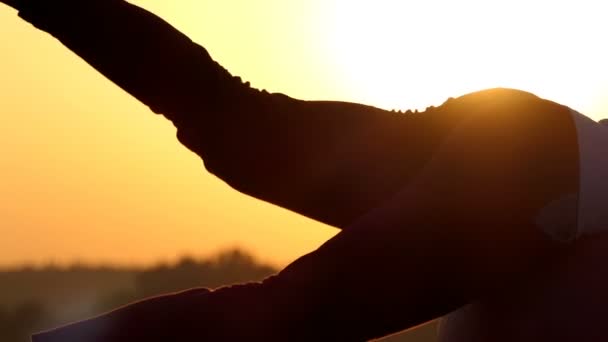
<point x="99" y="202"/>
<point x="36" y="299"/>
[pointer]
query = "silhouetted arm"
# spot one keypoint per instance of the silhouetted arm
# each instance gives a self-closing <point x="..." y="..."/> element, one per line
<point x="466" y="227"/>
<point x="12" y="3"/>
<point x="330" y="161"/>
<point x="138" y="51"/>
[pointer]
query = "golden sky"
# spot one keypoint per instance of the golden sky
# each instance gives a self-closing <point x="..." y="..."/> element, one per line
<point x="88" y="173"/>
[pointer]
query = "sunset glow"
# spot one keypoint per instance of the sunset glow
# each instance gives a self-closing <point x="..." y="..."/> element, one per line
<point x="90" y="174"/>
<point x="398" y="54"/>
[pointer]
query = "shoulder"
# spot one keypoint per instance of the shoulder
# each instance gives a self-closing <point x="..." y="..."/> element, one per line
<point x="498" y="96"/>
<point x="512" y="103"/>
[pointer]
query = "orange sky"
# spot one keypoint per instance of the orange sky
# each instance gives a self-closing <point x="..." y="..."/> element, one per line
<point x="88" y="173"/>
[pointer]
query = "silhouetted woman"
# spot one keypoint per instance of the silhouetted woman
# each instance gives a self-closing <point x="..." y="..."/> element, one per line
<point x="437" y="209"/>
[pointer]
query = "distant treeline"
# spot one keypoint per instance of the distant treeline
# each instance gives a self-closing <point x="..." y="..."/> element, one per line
<point x="35" y="299"/>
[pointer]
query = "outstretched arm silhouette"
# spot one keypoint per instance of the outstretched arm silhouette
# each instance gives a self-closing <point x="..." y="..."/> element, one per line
<point x="331" y="161"/>
<point x="439" y="208"/>
<point x="12" y="3"/>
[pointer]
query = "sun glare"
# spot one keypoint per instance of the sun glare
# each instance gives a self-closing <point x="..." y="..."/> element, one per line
<point x="402" y="54"/>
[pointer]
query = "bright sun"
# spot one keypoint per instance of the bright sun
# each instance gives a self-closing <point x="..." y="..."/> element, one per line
<point x="400" y="54"/>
